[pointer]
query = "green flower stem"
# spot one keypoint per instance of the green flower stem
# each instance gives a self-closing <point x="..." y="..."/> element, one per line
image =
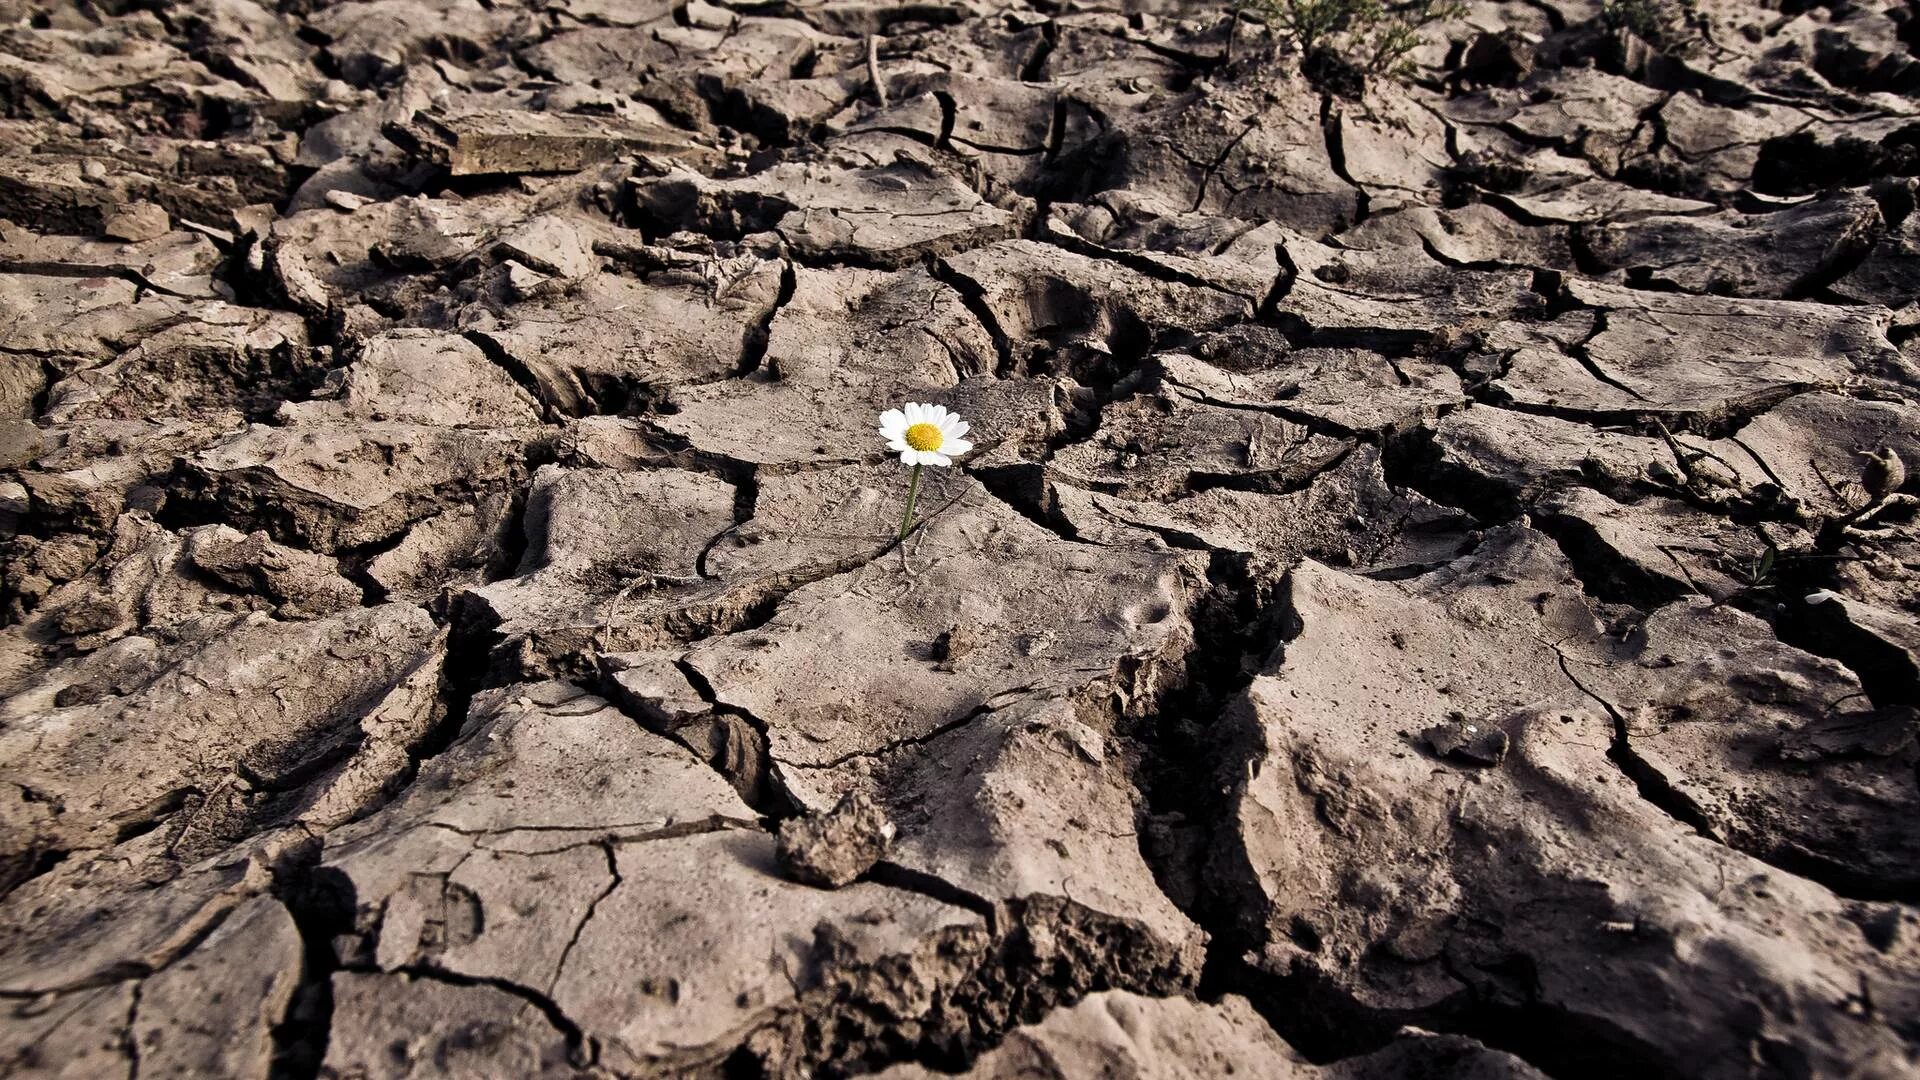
<point x="913" y="492"/>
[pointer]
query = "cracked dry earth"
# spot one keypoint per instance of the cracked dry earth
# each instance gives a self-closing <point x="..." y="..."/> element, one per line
<point x="1416" y="607"/>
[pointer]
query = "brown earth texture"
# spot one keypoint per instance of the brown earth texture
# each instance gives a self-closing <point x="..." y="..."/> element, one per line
<point x="1433" y="593"/>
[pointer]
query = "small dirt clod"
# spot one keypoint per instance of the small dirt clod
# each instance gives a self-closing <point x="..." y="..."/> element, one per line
<point x="835" y="848"/>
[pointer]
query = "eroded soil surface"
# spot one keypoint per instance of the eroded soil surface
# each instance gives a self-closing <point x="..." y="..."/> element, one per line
<point x="1434" y="594"/>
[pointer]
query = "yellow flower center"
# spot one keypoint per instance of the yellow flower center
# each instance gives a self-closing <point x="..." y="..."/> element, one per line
<point x="924" y="437"/>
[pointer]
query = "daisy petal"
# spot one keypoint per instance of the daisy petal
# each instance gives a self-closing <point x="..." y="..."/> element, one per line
<point x="937" y="414"/>
<point x="956" y="429"/>
<point x="909" y="457"/>
<point x="934" y="457"/>
<point x="915" y="412"/>
<point x="897" y="444"/>
<point x="892" y="416"/>
<point x="956" y="447"/>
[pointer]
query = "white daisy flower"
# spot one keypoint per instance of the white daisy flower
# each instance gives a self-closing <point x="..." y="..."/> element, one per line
<point x="925" y="434"/>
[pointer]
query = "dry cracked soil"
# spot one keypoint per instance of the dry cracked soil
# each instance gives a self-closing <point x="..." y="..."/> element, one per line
<point x="1434" y="594"/>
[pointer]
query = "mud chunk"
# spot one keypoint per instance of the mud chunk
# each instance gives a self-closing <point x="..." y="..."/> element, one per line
<point x="888" y="217"/>
<point x="951" y="646"/>
<point x="1780" y="254"/>
<point x="271" y="700"/>
<point x="342" y="484"/>
<point x="20" y="442"/>
<point x="834" y="848"/>
<point x="1469" y="744"/>
<point x="1120" y="1034"/>
<point x="137" y="222"/>
<point x="304" y="584"/>
<point x="1701" y="699"/>
<point x="503" y="141"/>
<point x="550" y="245"/>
